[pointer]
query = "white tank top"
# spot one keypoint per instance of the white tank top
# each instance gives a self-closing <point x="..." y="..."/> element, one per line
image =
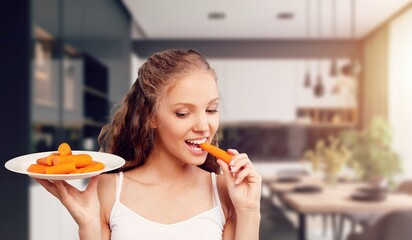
<point x="126" y="224"/>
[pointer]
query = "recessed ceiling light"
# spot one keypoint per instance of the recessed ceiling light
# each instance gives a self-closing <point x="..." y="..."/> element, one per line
<point x="216" y="15"/>
<point x="285" y="15"/>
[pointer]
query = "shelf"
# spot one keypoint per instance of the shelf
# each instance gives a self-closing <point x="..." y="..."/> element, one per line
<point x="278" y="124"/>
<point x="92" y="123"/>
<point x="95" y="92"/>
<point x="41" y="34"/>
<point x="327" y="116"/>
<point x="45" y="103"/>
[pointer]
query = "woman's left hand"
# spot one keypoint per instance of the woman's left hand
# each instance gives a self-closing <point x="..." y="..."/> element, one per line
<point x="243" y="182"/>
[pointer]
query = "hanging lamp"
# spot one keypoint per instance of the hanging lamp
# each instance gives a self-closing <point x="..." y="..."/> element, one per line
<point x="353" y="67"/>
<point x="319" y="88"/>
<point x="333" y="65"/>
<point x="307" y="81"/>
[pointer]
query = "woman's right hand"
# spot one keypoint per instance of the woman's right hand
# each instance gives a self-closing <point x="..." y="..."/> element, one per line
<point x="82" y="205"/>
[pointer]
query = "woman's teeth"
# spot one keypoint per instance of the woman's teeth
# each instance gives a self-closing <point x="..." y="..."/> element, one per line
<point x="194" y="144"/>
<point x="197" y="142"/>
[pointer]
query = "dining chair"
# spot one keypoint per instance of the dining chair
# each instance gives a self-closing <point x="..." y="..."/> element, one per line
<point x="393" y="226"/>
<point x="366" y="220"/>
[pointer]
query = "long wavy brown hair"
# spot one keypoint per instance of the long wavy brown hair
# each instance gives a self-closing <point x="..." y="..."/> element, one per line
<point x="129" y="135"/>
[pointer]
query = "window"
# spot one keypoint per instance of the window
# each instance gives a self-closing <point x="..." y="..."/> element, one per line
<point x="400" y="87"/>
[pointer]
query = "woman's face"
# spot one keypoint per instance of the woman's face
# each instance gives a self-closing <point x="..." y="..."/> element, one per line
<point x="188" y="116"/>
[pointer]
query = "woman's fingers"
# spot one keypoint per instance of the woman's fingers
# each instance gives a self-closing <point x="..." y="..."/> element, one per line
<point x="232" y="151"/>
<point x="62" y="188"/>
<point x="226" y="172"/>
<point x="82" y="205"/>
<point x="249" y="174"/>
<point x="240" y="162"/>
<point x="49" y="186"/>
<point x="240" y="168"/>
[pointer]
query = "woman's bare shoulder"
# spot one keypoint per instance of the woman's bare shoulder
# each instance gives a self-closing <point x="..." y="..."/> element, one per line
<point x="107" y="181"/>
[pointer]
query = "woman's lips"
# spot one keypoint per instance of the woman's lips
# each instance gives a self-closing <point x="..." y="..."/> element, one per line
<point x="194" y="145"/>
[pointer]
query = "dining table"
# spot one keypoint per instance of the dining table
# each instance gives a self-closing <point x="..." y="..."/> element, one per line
<point x="311" y="195"/>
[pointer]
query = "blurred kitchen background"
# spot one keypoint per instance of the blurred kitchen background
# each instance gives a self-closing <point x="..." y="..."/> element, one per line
<point x="290" y="73"/>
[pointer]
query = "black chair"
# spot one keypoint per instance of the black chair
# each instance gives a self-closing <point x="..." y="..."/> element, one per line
<point x="393" y="226"/>
<point x="366" y="220"/>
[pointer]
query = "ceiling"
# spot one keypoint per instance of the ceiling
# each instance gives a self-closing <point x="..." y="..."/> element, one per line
<point x="258" y="19"/>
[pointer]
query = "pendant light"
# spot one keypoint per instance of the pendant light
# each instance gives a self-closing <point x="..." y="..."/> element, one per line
<point x="319" y="88"/>
<point x="307" y="81"/>
<point x="353" y="67"/>
<point x="333" y="68"/>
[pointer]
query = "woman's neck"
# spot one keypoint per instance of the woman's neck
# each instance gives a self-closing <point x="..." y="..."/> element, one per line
<point x="161" y="168"/>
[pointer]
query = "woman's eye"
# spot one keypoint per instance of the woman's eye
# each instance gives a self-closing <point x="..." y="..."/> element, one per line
<point x="182" y="114"/>
<point x="212" y="110"/>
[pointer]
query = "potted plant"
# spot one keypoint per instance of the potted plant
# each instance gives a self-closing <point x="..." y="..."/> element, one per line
<point x="328" y="157"/>
<point x="372" y="156"/>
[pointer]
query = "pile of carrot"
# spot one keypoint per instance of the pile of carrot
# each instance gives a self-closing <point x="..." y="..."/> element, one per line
<point x="217" y="152"/>
<point x="64" y="162"/>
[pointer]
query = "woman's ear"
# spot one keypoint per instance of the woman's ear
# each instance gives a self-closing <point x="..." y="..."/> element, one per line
<point x="153" y="122"/>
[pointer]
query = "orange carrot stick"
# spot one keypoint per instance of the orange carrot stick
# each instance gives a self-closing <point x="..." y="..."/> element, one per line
<point x="95" y="166"/>
<point x="63" y="168"/>
<point x="217" y="152"/>
<point x="48" y="161"/>
<point x="80" y="160"/>
<point x="64" y="149"/>
<point x="37" y="168"/>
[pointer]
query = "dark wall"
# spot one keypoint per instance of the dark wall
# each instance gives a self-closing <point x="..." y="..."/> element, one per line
<point x="98" y="27"/>
<point x="14" y="123"/>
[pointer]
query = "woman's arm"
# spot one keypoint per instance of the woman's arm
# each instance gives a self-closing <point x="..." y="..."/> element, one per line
<point x="243" y="191"/>
<point x="106" y="191"/>
<point x="242" y="227"/>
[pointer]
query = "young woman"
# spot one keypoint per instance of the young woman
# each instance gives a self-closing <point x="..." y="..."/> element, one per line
<point x="169" y="187"/>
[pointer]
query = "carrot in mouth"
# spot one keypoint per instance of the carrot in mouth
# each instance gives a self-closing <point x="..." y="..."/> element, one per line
<point x="217" y="152"/>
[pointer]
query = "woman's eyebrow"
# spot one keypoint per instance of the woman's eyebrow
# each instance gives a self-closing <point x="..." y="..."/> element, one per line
<point x="193" y="105"/>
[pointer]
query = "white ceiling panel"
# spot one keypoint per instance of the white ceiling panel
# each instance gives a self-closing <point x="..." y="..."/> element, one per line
<point x="257" y="19"/>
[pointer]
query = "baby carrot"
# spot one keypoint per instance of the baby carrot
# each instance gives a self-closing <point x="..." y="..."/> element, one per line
<point x="48" y="161"/>
<point x="95" y="166"/>
<point x="63" y="168"/>
<point x="64" y="149"/>
<point x="217" y="152"/>
<point x="37" y="168"/>
<point x="81" y="160"/>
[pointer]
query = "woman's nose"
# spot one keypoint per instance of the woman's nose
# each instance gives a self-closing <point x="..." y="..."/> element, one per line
<point x="201" y="124"/>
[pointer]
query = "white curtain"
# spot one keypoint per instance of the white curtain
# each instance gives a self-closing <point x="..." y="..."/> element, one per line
<point x="400" y="87"/>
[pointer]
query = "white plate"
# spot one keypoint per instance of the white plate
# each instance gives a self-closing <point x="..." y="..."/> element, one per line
<point x="20" y="165"/>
